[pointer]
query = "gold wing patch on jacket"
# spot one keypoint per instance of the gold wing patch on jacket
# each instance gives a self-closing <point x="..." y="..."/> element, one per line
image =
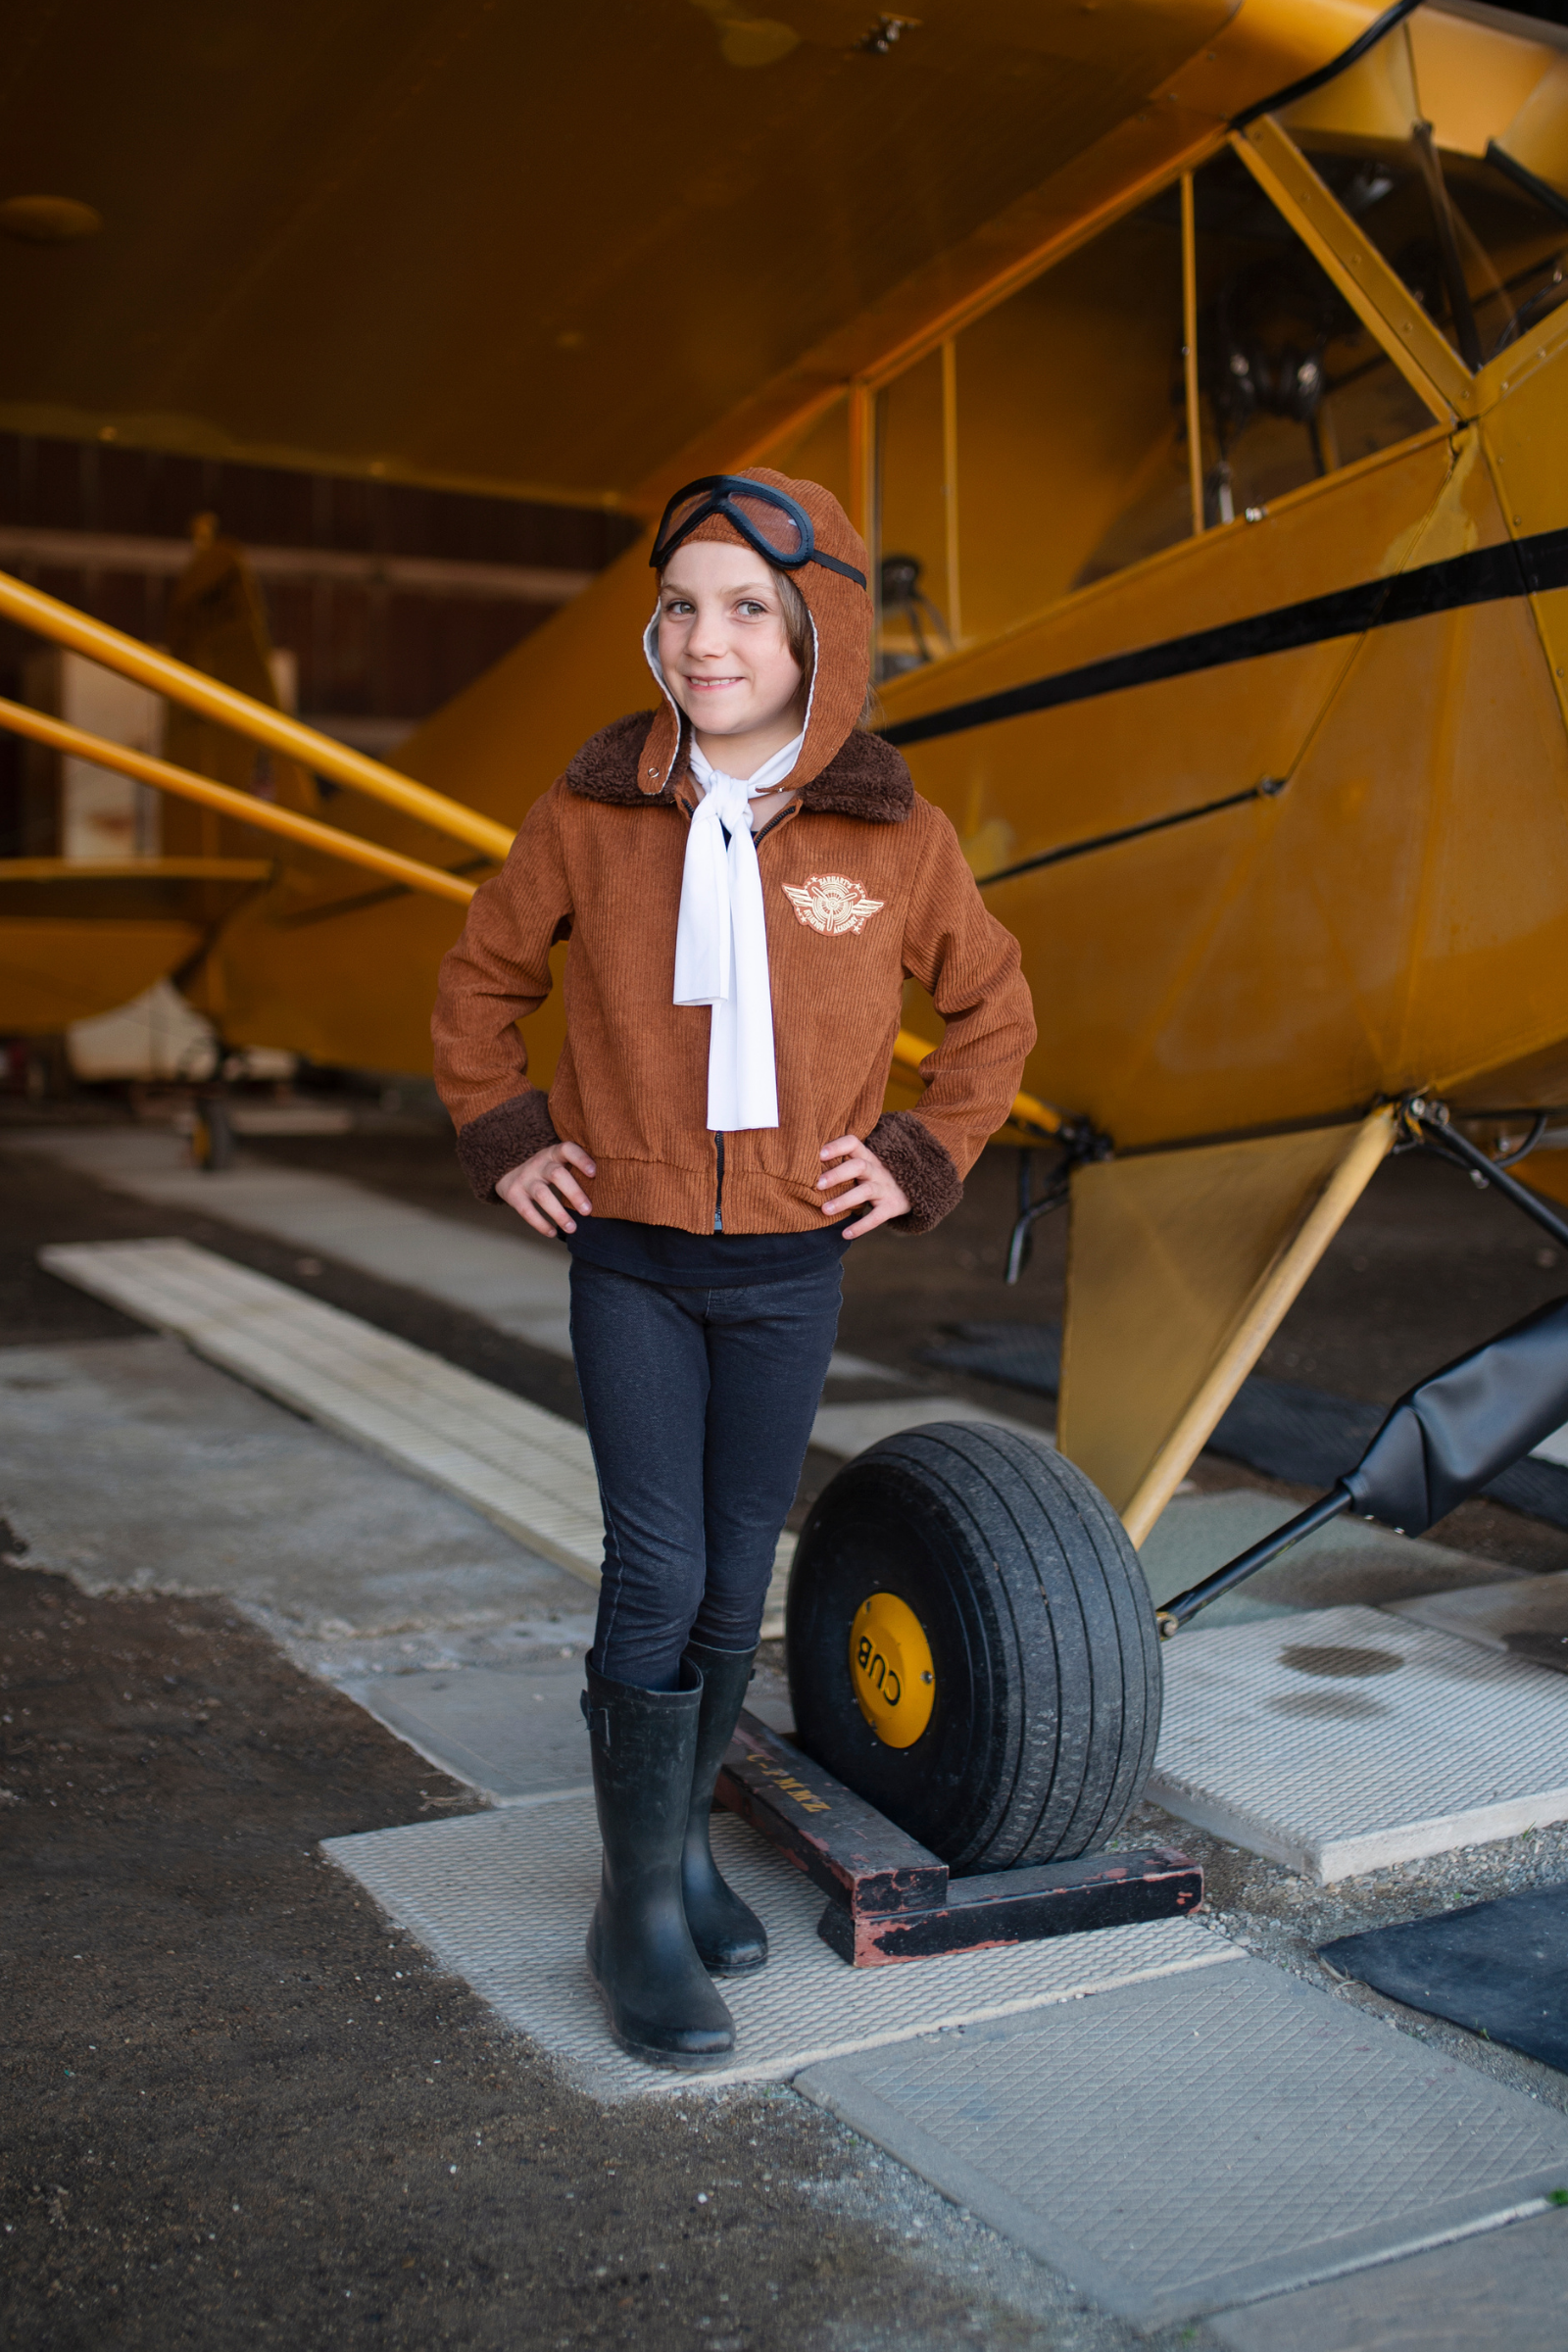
<point x="832" y="903"/>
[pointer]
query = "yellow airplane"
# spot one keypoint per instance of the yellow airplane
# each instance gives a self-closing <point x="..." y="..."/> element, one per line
<point x="1198" y="373"/>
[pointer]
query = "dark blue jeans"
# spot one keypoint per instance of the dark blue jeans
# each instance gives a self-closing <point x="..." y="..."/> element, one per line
<point x="699" y="1407"/>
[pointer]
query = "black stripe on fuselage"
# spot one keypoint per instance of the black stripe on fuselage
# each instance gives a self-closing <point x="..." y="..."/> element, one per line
<point x="1268" y="790"/>
<point x="1519" y="568"/>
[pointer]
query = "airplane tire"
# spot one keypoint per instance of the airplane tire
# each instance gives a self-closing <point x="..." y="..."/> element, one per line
<point x="1001" y="1702"/>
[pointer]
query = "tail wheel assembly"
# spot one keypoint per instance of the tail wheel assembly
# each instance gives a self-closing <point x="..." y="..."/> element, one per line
<point x="972" y="1648"/>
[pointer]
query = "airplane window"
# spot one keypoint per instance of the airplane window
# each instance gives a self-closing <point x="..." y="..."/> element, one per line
<point x="1290" y="384"/>
<point x="1475" y="225"/>
<point x="1066" y="441"/>
<point x="1044" y="447"/>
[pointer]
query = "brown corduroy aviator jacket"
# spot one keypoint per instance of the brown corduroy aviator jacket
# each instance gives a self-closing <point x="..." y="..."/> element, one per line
<point x="863" y="885"/>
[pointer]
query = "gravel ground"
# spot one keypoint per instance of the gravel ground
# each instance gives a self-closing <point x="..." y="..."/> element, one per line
<point x="240" y="2110"/>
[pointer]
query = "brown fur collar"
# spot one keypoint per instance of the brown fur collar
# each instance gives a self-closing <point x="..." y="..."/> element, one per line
<point x="864" y="778"/>
<point x="606" y="768"/>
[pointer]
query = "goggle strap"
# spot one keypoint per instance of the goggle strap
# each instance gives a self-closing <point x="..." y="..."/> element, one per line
<point x="667" y="548"/>
<point x="833" y="564"/>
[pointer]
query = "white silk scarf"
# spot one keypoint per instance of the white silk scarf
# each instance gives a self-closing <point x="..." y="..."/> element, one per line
<point x="721" y="942"/>
<point x="721" y="934"/>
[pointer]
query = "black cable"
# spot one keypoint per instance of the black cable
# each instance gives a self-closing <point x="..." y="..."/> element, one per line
<point x="1541" y="190"/>
<point x="1506" y="1159"/>
<point x="1448" y="1143"/>
<point x="1339" y="64"/>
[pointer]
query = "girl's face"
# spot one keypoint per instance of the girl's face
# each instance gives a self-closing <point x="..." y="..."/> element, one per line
<point x="723" y="642"/>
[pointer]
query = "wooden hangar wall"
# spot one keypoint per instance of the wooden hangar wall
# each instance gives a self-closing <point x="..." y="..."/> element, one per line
<point x="384" y="601"/>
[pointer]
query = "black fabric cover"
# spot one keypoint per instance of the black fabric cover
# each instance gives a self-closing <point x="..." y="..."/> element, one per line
<point x="1499" y="1969"/>
<point x="1306" y="1436"/>
<point x="1457" y="1430"/>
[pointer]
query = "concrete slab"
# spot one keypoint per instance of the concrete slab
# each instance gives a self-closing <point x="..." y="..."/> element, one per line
<point x="518" y="1738"/>
<point x="1177" y="2146"/>
<point x="1503" y="2287"/>
<point x="1353" y="1739"/>
<point x="1347" y="1561"/>
<point x="509" y="1277"/>
<point x="1528" y="1617"/>
<point x="848" y="1429"/>
<point x="503" y="1899"/>
<point x="512" y="1730"/>
<point x="131" y="1466"/>
<point x="527" y="1470"/>
<point x="503" y="1645"/>
<point x="516" y="1281"/>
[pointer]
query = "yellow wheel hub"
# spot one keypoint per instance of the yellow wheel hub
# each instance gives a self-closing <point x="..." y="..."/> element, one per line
<point x="889" y="1666"/>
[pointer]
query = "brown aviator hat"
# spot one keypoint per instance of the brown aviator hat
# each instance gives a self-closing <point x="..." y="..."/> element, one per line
<point x="801" y="530"/>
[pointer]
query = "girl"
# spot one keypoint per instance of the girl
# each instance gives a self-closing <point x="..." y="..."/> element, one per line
<point x="745" y="879"/>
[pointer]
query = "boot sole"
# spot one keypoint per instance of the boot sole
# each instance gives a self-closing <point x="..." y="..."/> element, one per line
<point x="732" y="1967"/>
<point x="678" y="2061"/>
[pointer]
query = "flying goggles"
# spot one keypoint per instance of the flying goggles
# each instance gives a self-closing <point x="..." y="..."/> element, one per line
<point x="774" y="525"/>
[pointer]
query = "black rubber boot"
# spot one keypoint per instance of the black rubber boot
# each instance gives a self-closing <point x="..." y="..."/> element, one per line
<point x="657" y="2000"/>
<point x="730" y="1939"/>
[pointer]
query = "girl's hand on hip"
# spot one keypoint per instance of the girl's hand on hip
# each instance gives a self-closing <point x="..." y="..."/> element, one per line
<point x="876" y="1188"/>
<point x="543" y="1190"/>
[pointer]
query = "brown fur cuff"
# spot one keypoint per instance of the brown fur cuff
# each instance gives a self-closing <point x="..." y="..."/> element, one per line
<point x="908" y="1150"/>
<point x="504" y="1137"/>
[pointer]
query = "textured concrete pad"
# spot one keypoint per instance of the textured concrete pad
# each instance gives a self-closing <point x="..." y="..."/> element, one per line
<point x="1503" y="2288"/>
<point x="1178" y="2147"/>
<point x="133" y="1466"/>
<point x="503" y="1899"/>
<point x="1351" y="1739"/>
<point x="1345" y="1562"/>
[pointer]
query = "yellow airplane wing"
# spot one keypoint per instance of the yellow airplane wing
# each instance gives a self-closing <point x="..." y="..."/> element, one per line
<point x="542" y="250"/>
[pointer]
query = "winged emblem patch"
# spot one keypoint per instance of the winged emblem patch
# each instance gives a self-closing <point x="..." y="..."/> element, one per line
<point x="832" y="903"/>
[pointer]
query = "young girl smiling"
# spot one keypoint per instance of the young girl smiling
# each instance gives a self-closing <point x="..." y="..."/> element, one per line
<point x="747" y="879"/>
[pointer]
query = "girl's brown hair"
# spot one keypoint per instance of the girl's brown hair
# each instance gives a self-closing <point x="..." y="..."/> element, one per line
<point x="802" y="645"/>
<point x="797" y="623"/>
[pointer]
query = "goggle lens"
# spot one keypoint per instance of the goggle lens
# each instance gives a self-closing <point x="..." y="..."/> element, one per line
<point x="777" y="529"/>
<point x="681" y="519"/>
<point x="772" y="527"/>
